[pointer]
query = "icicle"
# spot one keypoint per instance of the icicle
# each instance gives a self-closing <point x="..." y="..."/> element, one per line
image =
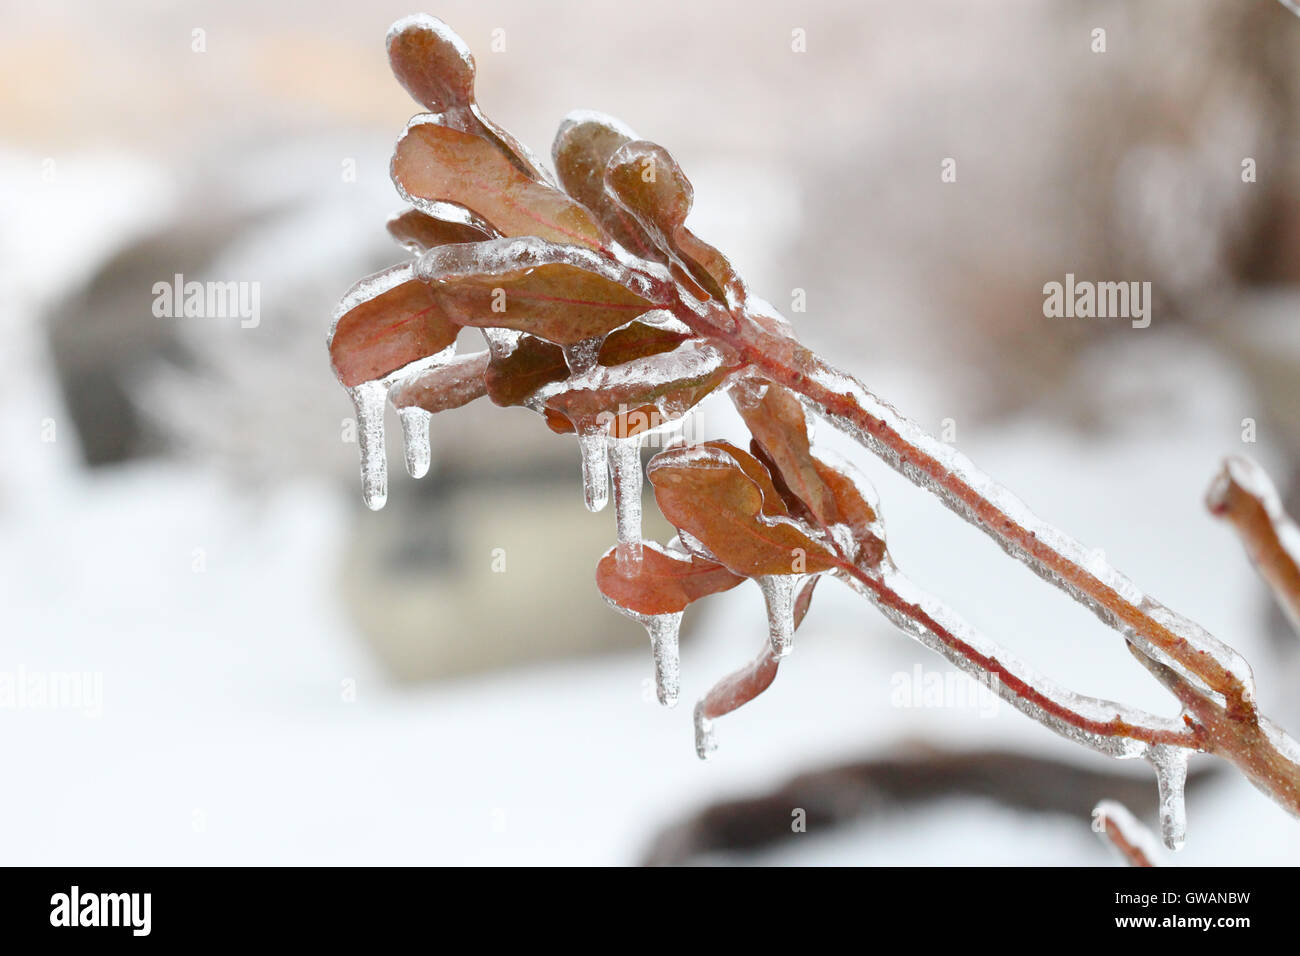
<point x="415" y="439"/>
<point x="625" y="467"/>
<point x="778" y="593"/>
<point x="663" y="630"/>
<point x="592" y="441"/>
<point x="368" y="398"/>
<point x="1170" y="765"/>
<point x="705" y="741"/>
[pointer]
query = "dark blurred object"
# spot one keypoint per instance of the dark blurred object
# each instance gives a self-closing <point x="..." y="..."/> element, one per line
<point x="905" y="784"/>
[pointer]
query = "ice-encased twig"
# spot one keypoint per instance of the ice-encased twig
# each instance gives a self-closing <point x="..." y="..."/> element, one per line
<point x="731" y="692"/>
<point x="1122" y="831"/>
<point x="1110" y="728"/>
<point x="954" y="479"/>
<point x="1243" y="495"/>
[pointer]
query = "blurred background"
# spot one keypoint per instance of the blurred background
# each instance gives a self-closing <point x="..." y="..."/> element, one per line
<point x="286" y="677"/>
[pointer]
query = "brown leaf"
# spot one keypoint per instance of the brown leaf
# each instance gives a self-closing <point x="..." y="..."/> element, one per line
<point x="440" y="164"/>
<point x="662" y="582"/>
<point x="512" y="378"/>
<point x="670" y="383"/>
<point x="561" y="303"/>
<point x="777" y="423"/>
<point x="420" y="232"/>
<point x="581" y="151"/>
<point x="706" y="492"/>
<point x="437" y="69"/>
<point x="647" y="182"/>
<point x="445" y="386"/>
<point x="432" y="63"/>
<point x="852" y="510"/>
<point x="637" y="340"/>
<point x="386" y="321"/>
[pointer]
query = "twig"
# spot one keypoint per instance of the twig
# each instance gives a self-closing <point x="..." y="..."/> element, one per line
<point x="1121" y="830"/>
<point x="1243" y="495"/>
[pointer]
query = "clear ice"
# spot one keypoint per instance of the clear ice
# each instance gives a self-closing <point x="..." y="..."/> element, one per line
<point x="369" y="399"/>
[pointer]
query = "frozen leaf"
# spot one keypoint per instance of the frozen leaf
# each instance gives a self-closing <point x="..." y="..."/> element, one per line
<point x="444" y="386"/>
<point x="581" y="151"/>
<point x="662" y="583"/>
<point x="637" y="340"/>
<point x="649" y="184"/>
<point x="515" y="376"/>
<point x="437" y="69"/>
<point x="641" y="394"/>
<point x="776" y="421"/>
<point x="705" y="491"/>
<point x="432" y="63"/>
<point x="561" y="303"/>
<point x="385" y="322"/>
<point x="438" y="163"/>
<point x="803" y="601"/>
<point x="419" y="232"/>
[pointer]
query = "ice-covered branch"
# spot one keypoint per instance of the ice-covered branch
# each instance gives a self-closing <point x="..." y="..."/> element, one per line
<point x="1243" y="495"/>
<point x="1123" y="832"/>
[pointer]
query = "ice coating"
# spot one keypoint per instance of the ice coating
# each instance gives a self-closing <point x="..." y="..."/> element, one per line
<point x="505" y="256"/>
<point x="1055" y="707"/>
<point x="592" y="441"/>
<point x="1170" y="765"/>
<point x="369" y="399"/>
<point x="778" y="594"/>
<point x="415" y="440"/>
<point x="625" y="467"/>
<point x="955" y="469"/>
<point x="706" y="742"/>
<point x="1244" y="495"/>
<point x="663" y="630"/>
<point x="581" y="356"/>
<point x="1133" y="841"/>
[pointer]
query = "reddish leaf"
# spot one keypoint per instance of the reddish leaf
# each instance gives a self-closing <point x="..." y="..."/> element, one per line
<point x="561" y="303"/>
<point x="705" y="491"/>
<point x="420" y="232"/>
<point x="670" y="383"/>
<point x="432" y="63"/>
<point x="386" y="321"/>
<point x="440" y="164"/>
<point x="581" y="151"/>
<point x="444" y="387"/>
<point x="777" y="423"/>
<point x="803" y="600"/>
<point x="649" y="184"/>
<point x="512" y="378"/>
<point x="662" y="582"/>
<point x="637" y="340"/>
<point x="437" y="69"/>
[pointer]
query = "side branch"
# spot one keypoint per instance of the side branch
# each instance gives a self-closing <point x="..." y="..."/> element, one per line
<point x="1243" y="495"/>
<point x="1054" y="556"/>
